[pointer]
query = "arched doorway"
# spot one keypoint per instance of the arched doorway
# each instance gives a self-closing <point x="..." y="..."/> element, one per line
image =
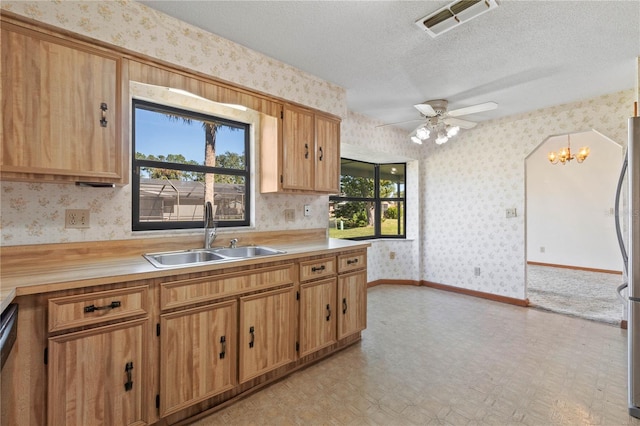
<point x="573" y="260"/>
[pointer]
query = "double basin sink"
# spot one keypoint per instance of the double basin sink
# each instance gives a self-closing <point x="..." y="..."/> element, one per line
<point x="212" y="255"/>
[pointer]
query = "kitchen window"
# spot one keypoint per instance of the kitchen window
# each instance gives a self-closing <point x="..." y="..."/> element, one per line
<point x="182" y="159"/>
<point x="371" y="203"/>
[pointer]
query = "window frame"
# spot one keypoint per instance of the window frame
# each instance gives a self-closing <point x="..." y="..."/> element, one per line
<point x="377" y="201"/>
<point x="137" y="164"/>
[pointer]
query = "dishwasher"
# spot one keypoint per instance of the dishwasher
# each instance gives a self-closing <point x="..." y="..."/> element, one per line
<point x="8" y="332"/>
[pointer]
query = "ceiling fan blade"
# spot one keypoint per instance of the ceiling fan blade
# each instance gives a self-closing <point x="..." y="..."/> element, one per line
<point x="463" y="124"/>
<point x="399" y="122"/>
<point x="487" y="106"/>
<point x="426" y="110"/>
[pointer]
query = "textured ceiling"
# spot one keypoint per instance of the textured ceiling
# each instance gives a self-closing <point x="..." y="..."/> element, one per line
<point x="524" y="55"/>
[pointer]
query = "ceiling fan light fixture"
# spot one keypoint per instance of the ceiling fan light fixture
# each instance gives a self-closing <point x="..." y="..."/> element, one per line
<point x="416" y="139"/>
<point x="423" y="133"/>
<point x="442" y="138"/>
<point x="452" y="131"/>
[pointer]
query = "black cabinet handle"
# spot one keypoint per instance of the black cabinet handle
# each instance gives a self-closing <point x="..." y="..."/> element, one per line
<point x="93" y="308"/>
<point x="317" y="268"/>
<point x="349" y="262"/>
<point x="321" y="154"/>
<point x="129" y="383"/>
<point x="223" y="341"/>
<point x="306" y="150"/>
<point x="103" y="115"/>
<point x="253" y="336"/>
<point x="344" y="305"/>
<point x="328" y="312"/>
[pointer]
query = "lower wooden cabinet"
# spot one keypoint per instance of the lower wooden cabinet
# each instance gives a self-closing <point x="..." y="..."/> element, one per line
<point x="157" y="352"/>
<point x="318" y="314"/>
<point x="197" y="355"/>
<point x="97" y="376"/>
<point x="352" y="303"/>
<point x="266" y="332"/>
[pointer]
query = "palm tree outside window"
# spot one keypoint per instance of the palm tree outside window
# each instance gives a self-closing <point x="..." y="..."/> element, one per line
<point x="182" y="159"/>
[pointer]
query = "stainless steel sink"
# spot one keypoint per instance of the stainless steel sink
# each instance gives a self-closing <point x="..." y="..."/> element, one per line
<point x="203" y="256"/>
<point x="183" y="257"/>
<point x="248" y="251"/>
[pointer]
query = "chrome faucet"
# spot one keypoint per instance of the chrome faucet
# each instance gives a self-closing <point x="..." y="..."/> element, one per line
<point x="210" y="226"/>
<point x="232" y="243"/>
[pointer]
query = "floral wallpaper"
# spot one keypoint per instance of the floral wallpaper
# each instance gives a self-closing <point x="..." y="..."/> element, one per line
<point x="467" y="183"/>
<point x="34" y="213"/>
<point x="456" y="193"/>
<point x="141" y="29"/>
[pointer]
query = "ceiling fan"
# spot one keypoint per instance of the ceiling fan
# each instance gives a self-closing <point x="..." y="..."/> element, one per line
<point x="442" y="122"/>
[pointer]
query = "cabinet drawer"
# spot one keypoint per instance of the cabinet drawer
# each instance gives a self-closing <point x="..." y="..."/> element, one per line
<point x="185" y="292"/>
<point x="318" y="268"/>
<point x="95" y="308"/>
<point x="351" y="262"/>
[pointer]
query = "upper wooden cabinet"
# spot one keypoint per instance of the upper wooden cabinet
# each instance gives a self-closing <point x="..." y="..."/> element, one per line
<point x="298" y="149"/>
<point x="327" y="166"/>
<point x="307" y="159"/>
<point x="61" y="108"/>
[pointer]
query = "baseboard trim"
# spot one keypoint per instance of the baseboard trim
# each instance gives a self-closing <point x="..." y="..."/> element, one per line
<point x="465" y="291"/>
<point x="577" y="268"/>
<point x="476" y="293"/>
<point x="393" y="282"/>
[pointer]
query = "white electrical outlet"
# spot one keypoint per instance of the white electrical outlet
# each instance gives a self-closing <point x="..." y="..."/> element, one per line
<point x="307" y="210"/>
<point x="76" y="218"/>
<point x="476" y="271"/>
<point x="511" y="213"/>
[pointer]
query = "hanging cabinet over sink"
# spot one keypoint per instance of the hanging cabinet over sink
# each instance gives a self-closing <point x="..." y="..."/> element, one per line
<point x="62" y="109"/>
<point x="307" y="158"/>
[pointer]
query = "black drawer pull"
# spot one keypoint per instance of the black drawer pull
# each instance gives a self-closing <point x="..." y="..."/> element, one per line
<point x="344" y="305"/>
<point x="92" y="308"/>
<point x="129" y="383"/>
<point x="349" y="262"/>
<point x="328" y="312"/>
<point x="318" y="268"/>
<point x="253" y="336"/>
<point x="103" y="114"/>
<point x="223" y="341"/>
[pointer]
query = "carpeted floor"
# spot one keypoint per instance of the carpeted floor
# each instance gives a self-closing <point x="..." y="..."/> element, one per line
<point x="584" y="294"/>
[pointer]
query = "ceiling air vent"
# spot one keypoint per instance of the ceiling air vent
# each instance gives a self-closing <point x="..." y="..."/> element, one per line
<point x="454" y="14"/>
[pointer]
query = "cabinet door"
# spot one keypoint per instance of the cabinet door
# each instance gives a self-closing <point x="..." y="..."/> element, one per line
<point x="97" y="377"/>
<point x="61" y="105"/>
<point x="317" y="315"/>
<point x="352" y="303"/>
<point x="197" y="355"/>
<point x="266" y="332"/>
<point x="298" y="149"/>
<point x="327" y="177"/>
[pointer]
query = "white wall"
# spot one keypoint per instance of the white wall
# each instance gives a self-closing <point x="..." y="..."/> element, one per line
<point x="569" y="207"/>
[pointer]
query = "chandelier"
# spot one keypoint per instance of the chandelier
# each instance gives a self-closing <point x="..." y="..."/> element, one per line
<point x="564" y="155"/>
<point x="443" y="132"/>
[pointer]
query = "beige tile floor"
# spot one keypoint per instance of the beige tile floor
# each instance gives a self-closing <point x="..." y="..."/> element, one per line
<point x="432" y="357"/>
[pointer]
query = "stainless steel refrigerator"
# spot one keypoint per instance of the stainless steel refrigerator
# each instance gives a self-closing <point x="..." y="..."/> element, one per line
<point x="631" y="166"/>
